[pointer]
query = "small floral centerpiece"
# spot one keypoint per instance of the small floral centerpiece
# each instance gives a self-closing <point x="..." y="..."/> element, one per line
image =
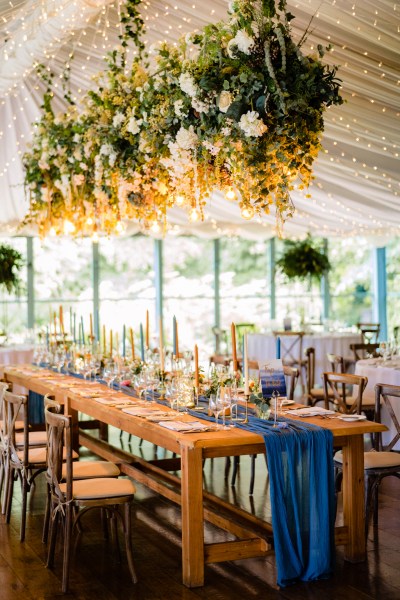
<point x="216" y="380"/>
<point x="136" y="366"/>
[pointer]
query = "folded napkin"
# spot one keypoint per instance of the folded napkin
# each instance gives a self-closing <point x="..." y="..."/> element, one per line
<point x="142" y="411"/>
<point x="185" y="427"/>
<point x="312" y="411"/>
<point x="114" y="401"/>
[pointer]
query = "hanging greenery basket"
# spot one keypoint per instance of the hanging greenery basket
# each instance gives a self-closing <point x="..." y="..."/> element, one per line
<point x="10" y="264"/>
<point x="303" y="260"/>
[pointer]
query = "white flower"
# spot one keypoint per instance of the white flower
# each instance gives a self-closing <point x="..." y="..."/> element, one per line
<point x="211" y="148"/>
<point x="106" y="149"/>
<point x="77" y="154"/>
<point x="118" y="119"/>
<point x="232" y="6"/>
<point x="255" y="28"/>
<point x="251" y="125"/>
<point x="200" y="106"/>
<point x="78" y="179"/>
<point x="43" y="164"/>
<point x="83" y="166"/>
<point x="76" y="138"/>
<point x="242" y="41"/>
<point x="178" y="108"/>
<point x="187" y="138"/>
<point x="112" y="158"/>
<point x="87" y="148"/>
<point x="226" y="131"/>
<point x="224" y="101"/>
<point x="134" y="125"/>
<point x="144" y="145"/>
<point x="187" y="84"/>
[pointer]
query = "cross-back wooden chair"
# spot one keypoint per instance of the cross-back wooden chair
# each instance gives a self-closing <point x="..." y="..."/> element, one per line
<point x="3" y="442"/>
<point x="362" y="350"/>
<point x="336" y="362"/>
<point x="22" y="459"/>
<point x="314" y="392"/>
<point x="337" y="388"/>
<point x="369" y="332"/>
<point x="87" y="469"/>
<point x="71" y="499"/>
<point x="382" y="461"/>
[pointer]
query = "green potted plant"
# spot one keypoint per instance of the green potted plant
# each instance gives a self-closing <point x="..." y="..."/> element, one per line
<point x="11" y="262"/>
<point x="304" y="259"/>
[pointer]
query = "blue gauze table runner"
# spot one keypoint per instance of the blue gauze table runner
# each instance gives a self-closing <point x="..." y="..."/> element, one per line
<point x="300" y="466"/>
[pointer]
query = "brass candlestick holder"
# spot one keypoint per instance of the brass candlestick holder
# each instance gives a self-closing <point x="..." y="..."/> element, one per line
<point x="162" y="388"/>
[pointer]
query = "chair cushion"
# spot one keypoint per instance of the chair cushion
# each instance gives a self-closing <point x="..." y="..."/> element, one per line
<point x="375" y="460"/>
<point x="101" y="487"/>
<point x="38" y="455"/>
<point x="90" y="469"/>
<point x="319" y="393"/>
<point x="36" y="438"/>
<point x="367" y="403"/>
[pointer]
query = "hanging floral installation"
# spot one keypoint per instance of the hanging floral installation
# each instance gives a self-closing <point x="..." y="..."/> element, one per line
<point x="236" y="107"/>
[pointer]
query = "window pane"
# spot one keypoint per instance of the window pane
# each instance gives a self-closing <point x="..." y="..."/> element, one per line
<point x="393" y="285"/>
<point x="298" y="300"/>
<point x="127" y="284"/>
<point x="189" y="292"/>
<point x="244" y="289"/>
<point x="63" y="276"/>
<point x="350" y="281"/>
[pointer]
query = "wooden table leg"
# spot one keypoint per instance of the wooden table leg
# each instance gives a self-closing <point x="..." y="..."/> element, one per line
<point x="192" y="517"/>
<point x="353" y="498"/>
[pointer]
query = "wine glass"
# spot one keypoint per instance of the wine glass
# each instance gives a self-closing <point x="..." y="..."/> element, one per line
<point x="276" y="403"/>
<point x="224" y="402"/>
<point x="213" y="409"/>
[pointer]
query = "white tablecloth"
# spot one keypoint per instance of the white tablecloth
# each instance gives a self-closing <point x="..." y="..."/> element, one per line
<point x="262" y="347"/>
<point x="379" y="371"/>
<point x="18" y="354"/>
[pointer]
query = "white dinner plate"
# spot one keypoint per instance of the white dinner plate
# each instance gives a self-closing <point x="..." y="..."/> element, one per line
<point x="352" y="418"/>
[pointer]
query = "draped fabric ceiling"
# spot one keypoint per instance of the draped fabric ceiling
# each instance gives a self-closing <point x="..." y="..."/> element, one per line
<point x="357" y="176"/>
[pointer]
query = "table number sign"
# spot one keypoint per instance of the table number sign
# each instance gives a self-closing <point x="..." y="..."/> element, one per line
<point x="272" y="378"/>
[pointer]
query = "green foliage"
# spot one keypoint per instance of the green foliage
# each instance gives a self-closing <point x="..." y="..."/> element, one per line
<point x="10" y="264"/>
<point x="303" y="259"/>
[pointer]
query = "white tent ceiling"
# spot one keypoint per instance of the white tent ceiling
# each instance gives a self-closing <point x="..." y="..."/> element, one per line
<point x="357" y="183"/>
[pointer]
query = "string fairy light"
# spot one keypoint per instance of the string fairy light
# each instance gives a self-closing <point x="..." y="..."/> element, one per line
<point x="376" y="103"/>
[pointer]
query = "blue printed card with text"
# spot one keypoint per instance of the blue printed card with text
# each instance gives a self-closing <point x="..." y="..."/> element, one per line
<point x="272" y="378"/>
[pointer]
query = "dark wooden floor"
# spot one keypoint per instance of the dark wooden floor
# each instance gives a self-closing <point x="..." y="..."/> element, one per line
<point x="96" y="574"/>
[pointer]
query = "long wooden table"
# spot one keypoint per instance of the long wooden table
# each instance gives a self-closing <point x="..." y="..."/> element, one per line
<point x="253" y="535"/>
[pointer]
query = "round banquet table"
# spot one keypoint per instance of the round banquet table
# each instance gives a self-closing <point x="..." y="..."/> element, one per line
<point x="379" y="371"/>
<point x="16" y="354"/>
<point x="262" y="347"/>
